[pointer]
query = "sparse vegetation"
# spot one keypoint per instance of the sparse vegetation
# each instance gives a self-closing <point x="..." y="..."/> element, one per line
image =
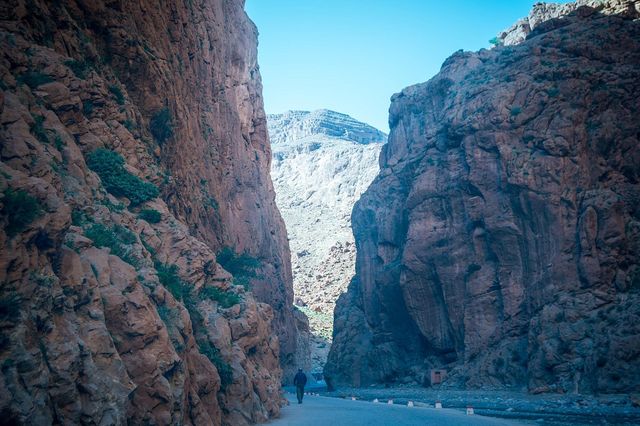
<point x="150" y="215"/>
<point x="494" y="41"/>
<point x="109" y="165"/>
<point x="168" y="277"/>
<point x="515" y="110"/>
<point x="58" y="143"/>
<point x="242" y="266"/>
<point x="226" y="299"/>
<point x="553" y="92"/>
<point x="34" y="79"/>
<point x="117" y="238"/>
<point x="224" y="369"/>
<point x="37" y="129"/>
<point x="161" y="125"/>
<point x="79" y="68"/>
<point x="117" y="93"/>
<point x="9" y="307"/>
<point x="20" y="209"/>
<point x="87" y="107"/>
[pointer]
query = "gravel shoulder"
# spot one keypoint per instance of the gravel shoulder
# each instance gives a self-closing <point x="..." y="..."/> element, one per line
<point x="548" y="409"/>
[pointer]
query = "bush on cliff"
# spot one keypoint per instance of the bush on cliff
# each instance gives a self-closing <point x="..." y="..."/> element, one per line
<point x="20" y="209"/>
<point x="150" y="215"/>
<point x="168" y="277"/>
<point x="109" y="165"/>
<point x="161" y="125"/>
<point x="226" y="299"/>
<point x="117" y="238"/>
<point x="241" y="266"/>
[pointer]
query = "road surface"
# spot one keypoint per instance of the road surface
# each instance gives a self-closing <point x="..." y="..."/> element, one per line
<point x="325" y="411"/>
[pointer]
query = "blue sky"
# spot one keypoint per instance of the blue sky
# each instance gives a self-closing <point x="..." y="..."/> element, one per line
<point x="352" y="55"/>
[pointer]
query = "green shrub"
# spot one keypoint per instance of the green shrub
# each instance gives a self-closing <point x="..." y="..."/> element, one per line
<point x="242" y="267"/>
<point x="79" y="68"/>
<point x="87" y="107"/>
<point x="515" y="110"/>
<point x="161" y="126"/>
<point x="224" y="369"/>
<point x="150" y="215"/>
<point x="495" y="41"/>
<point x="58" y="143"/>
<point x="20" y="209"/>
<point x="553" y="92"/>
<point x="77" y="217"/>
<point x="37" y="129"/>
<point x="117" y="180"/>
<point x="117" y="238"/>
<point x="226" y="299"/>
<point x="168" y="277"/>
<point x="9" y="307"/>
<point x="34" y="79"/>
<point x="117" y="93"/>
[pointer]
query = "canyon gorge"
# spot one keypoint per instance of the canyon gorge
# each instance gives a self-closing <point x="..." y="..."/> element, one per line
<point x="500" y="239"/>
<point x="322" y="162"/>
<point x="171" y="254"/>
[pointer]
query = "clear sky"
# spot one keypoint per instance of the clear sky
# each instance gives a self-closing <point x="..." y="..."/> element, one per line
<point x="352" y="55"/>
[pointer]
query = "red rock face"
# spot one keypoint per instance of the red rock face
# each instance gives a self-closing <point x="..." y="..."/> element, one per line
<point x="500" y="239"/>
<point x="107" y="312"/>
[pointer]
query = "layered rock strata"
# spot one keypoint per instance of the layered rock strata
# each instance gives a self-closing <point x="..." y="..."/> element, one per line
<point x="500" y="238"/>
<point x="133" y="148"/>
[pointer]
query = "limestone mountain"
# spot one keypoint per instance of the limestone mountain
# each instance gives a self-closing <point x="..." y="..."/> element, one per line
<point x="500" y="239"/>
<point x="144" y="268"/>
<point x="322" y="162"/>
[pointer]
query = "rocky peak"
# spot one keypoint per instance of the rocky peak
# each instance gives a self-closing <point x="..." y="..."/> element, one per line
<point x="295" y="126"/>
<point x="545" y="12"/>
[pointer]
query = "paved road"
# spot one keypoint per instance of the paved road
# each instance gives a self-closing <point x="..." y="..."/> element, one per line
<point x="324" y="411"/>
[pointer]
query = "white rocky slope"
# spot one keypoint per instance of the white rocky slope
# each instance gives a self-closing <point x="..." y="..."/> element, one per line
<point x="322" y="162"/>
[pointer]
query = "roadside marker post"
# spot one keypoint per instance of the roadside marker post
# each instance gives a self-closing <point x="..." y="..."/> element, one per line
<point x="390" y="402"/>
<point x="410" y="404"/>
<point x="470" y="411"/>
<point x="375" y="401"/>
<point x="438" y="404"/>
<point x="353" y="398"/>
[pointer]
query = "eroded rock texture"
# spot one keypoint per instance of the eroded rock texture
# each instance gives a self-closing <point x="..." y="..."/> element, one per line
<point x="121" y="123"/>
<point x="501" y="237"/>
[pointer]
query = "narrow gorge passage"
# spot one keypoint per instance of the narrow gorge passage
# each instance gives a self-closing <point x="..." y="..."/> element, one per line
<point x="321" y="162"/>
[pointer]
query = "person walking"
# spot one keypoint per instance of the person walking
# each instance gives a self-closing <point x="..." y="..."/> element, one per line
<point x="299" y="382"/>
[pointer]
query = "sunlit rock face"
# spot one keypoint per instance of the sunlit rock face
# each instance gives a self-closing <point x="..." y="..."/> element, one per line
<point x="114" y="306"/>
<point x="322" y="162"/>
<point x="500" y="239"/>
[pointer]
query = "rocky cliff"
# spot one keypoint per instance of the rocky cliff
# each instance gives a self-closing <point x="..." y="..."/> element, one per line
<point x="500" y="239"/>
<point x="140" y="235"/>
<point x="322" y="162"/>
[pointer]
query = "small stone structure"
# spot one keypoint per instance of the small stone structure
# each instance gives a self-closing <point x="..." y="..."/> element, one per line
<point x="438" y="376"/>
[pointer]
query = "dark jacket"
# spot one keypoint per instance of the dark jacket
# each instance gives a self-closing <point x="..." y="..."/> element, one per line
<point x="300" y="380"/>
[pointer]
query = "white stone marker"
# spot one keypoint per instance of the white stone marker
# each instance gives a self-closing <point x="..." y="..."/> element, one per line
<point x="438" y="404"/>
<point x="353" y="398"/>
<point x="375" y="401"/>
<point x="410" y="404"/>
<point x="470" y="411"/>
<point x="390" y="402"/>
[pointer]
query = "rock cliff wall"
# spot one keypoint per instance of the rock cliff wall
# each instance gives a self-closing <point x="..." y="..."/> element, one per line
<point x="500" y="238"/>
<point x="133" y="149"/>
<point x="322" y="162"/>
